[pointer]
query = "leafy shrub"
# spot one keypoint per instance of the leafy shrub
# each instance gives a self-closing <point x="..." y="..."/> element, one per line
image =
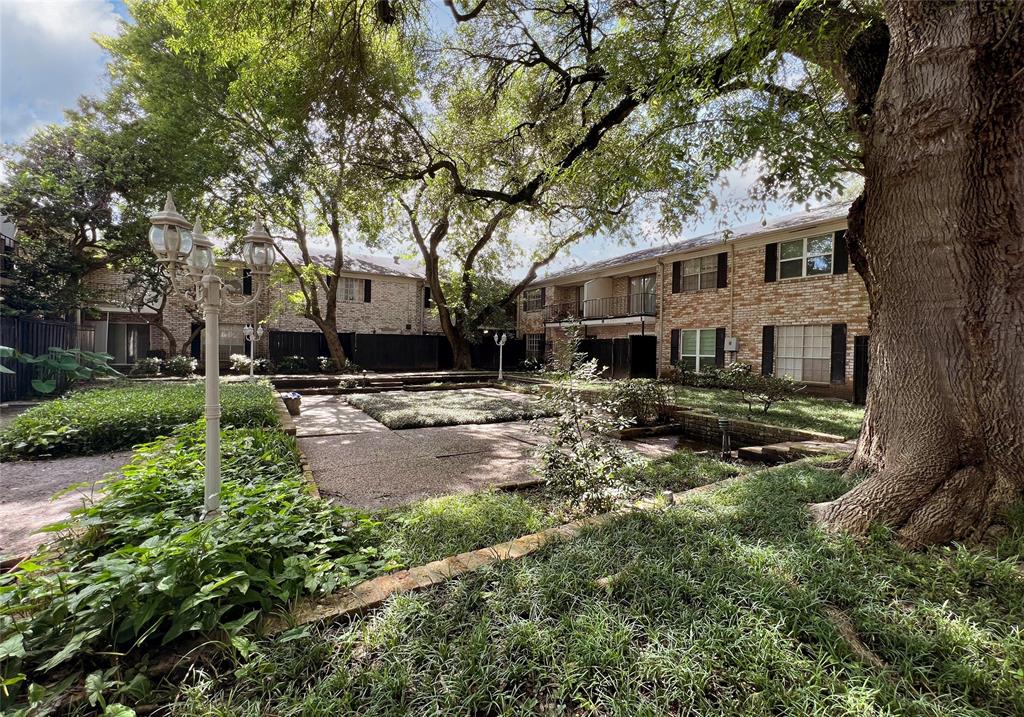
<point x="60" y="368"/>
<point x="149" y="366"/>
<point x="118" y="417"/>
<point x="766" y="391"/>
<point x="579" y="461"/>
<point x="240" y="364"/>
<point x="326" y="364"/>
<point x="294" y="364"/>
<point x="179" y="365"/>
<point x="710" y="377"/>
<point x="531" y="364"/>
<point x="138" y="569"/>
<point x="643" y="400"/>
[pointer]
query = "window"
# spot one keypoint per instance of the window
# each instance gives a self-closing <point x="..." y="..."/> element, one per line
<point x="232" y="341"/>
<point x="533" y="300"/>
<point x="805" y="257"/>
<point x="803" y="352"/>
<point x="535" y="346"/>
<point x="641" y="294"/>
<point x="700" y="274"/>
<point x="127" y="343"/>
<point x="247" y="282"/>
<point x="697" y="349"/>
<point x="350" y="289"/>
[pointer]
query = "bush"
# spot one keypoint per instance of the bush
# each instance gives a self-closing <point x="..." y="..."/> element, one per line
<point x="766" y="391"/>
<point x="294" y="364"/>
<point x="118" y="417"/>
<point x="146" y="367"/>
<point x="179" y="365"/>
<point x="137" y="569"/>
<point x="642" y="400"/>
<point x="60" y="368"/>
<point x="240" y="364"/>
<point x="579" y="461"/>
<point x="710" y="377"/>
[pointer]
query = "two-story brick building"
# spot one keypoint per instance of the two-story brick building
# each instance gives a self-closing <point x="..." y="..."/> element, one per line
<point x="377" y="295"/>
<point x="779" y="295"/>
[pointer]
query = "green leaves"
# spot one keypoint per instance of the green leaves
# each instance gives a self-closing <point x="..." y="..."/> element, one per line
<point x="119" y="417"/>
<point x="137" y="568"/>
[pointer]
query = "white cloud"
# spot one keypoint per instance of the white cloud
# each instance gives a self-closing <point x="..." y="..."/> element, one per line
<point x="48" y="58"/>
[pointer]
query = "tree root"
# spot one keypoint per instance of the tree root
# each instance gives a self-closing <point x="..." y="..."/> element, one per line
<point x="844" y="626"/>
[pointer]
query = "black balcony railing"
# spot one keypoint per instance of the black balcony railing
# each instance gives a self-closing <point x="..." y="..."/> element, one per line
<point x="643" y="304"/>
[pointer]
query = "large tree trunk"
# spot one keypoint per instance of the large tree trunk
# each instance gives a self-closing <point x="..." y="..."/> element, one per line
<point x="939" y="239"/>
<point x="329" y="327"/>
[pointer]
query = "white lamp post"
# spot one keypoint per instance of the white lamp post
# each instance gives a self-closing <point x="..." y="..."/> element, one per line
<point x="500" y="343"/>
<point x="176" y="246"/>
<point x="251" y="335"/>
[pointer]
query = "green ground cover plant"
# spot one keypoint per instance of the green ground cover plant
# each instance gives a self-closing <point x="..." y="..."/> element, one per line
<point x="732" y="604"/>
<point x="137" y="570"/>
<point x="840" y="418"/>
<point x="418" y="409"/>
<point x="121" y="416"/>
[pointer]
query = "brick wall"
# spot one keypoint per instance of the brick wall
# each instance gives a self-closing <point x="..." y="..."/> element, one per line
<point x="749" y="303"/>
<point x="746" y="305"/>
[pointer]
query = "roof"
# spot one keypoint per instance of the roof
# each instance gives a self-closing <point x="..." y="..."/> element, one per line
<point x="789" y="222"/>
<point x="353" y="262"/>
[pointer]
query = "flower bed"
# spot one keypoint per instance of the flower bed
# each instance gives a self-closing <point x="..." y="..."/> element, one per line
<point x="401" y="409"/>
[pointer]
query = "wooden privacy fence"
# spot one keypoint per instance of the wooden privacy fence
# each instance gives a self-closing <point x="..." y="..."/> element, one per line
<point x="35" y="336"/>
<point x="394" y="352"/>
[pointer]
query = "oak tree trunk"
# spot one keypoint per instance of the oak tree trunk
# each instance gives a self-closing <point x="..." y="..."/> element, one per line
<point x="329" y="327"/>
<point x="939" y="239"/>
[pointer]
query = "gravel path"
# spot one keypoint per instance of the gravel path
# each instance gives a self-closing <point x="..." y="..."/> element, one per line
<point x="26" y="489"/>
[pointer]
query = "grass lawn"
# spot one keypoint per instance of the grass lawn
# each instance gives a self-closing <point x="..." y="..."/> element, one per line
<point x="730" y="605"/>
<point x="117" y="417"/>
<point x="815" y="414"/>
<point x="417" y="409"/>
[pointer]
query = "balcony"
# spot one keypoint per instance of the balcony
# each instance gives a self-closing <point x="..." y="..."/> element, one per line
<point x="610" y="307"/>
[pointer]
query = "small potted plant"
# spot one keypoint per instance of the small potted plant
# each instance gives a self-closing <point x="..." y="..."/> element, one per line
<point x="292" y="402"/>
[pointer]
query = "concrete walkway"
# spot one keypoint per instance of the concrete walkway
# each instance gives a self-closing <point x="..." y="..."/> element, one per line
<point x="26" y="490"/>
<point x="359" y="462"/>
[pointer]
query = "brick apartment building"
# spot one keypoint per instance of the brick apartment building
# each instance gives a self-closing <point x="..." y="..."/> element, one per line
<point x="378" y="295"/>
<point x="781" y="296"/>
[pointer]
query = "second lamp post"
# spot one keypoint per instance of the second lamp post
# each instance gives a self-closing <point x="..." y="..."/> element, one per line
<point x="187" y="256"/>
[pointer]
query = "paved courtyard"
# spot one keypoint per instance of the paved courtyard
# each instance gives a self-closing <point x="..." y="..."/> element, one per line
<point x="359" y="462"/>
<point x="26" y="495"/>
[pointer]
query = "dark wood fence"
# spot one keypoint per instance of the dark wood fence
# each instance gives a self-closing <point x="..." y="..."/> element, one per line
<point x="394" y="352"/>
<point x="34" y="336"/>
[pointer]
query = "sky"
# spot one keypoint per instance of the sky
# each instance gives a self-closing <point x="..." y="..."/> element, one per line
<point x="48" y="58"/>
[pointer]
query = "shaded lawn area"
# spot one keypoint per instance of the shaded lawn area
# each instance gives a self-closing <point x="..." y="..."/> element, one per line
<point x="419" y="409"/>
<point x="732" y="604"/>
<point x="807" y="412"/>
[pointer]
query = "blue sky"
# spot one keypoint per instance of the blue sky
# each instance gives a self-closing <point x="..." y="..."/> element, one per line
<point x="48" y="58"/>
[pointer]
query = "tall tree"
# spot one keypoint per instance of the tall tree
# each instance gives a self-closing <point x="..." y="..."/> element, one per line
<point x="275" y="98"/>
<point x="926" y="100"/>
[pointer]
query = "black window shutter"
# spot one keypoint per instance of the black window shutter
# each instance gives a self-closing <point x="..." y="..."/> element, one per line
<point x="366" y="290"/>
<point x="838" y="374"/>
<point x="771" y="261"/>
<point x="767" y="350"/>
<point x="723" y="269"/>
<point x="426" y="297"/>
<point x="247" y="282"/>
<point x="840" y="257"/>
<point x="677" y="272"/>
<point x="543" y="296"/>
<point x="674" y="348"/>
<point x="720" y="344"/>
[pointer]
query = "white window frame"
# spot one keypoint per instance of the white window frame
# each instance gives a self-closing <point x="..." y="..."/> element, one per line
<point x="699" y="267"/>
<point x="535" y="352"/>
<point x="805" y="256"/>
<point x="533" y="300"/>
<point x="350" y="289"/>
<point x="123" y="337"/>
<point x="796" y="346"/>
<point x="228" y="334"/>
<point x="702" y="360"/>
